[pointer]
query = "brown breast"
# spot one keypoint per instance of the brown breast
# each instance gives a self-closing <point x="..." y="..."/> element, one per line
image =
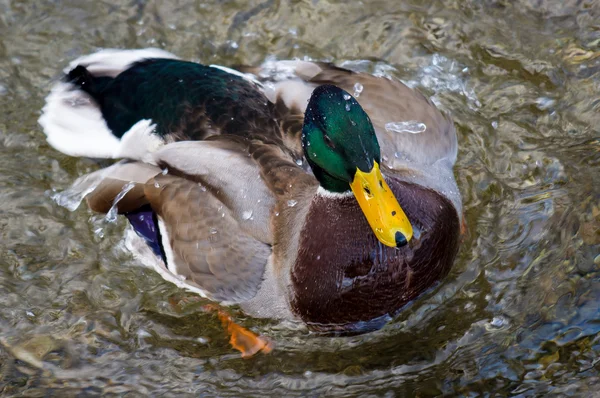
<point x="343" y="275"/>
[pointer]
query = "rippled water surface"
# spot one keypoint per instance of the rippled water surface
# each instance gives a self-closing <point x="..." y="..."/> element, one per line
<point x="518" y="315"/>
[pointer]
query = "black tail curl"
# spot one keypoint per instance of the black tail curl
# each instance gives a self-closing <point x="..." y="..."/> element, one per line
<point x="84" y="80"/>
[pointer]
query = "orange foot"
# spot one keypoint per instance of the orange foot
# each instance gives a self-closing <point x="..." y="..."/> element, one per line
<point x="463" y="226"/>
<point x="242" y="339"/>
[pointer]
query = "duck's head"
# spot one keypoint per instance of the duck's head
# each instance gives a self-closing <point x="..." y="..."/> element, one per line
<point x="342" y="149"/>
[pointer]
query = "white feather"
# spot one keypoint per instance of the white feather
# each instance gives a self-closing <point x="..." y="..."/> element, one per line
<point x="139" y="142"/>
<point x="74" y="125"/>
<point x="73" y="122"/>
<point x="144" y="254"/>
<point x="249" y="77"/>
<point x="333" y="195"/>
<point x="111" y="62"/>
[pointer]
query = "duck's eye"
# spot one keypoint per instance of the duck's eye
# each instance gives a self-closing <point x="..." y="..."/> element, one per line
<point x="328" y="141"/>
<point x="367" y="190"/>
<point x="381" y="183"/>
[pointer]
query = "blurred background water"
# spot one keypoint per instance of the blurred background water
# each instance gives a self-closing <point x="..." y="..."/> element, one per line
<point x="518" y="315"/>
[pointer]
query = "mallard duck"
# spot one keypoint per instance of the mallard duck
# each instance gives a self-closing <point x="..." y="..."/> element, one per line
<point x="294" y="189"/>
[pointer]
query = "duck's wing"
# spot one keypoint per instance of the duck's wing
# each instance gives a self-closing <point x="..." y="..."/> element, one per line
<point x="204" y="243"/>
<point x="212" y="213"/>
<point x="390" y="104"/>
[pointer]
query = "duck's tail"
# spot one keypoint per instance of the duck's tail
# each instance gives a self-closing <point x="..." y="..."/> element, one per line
<point x="72" y="118"/>
<point x="85" y="81"/>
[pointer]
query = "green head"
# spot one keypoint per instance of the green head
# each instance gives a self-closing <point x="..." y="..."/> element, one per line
<point x="338" y="138"/>
<point x="341" y="148"/>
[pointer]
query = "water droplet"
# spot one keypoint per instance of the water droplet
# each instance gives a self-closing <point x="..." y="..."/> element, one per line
<point x="318" y="257"/>
<point x="410" y="126"/>
<point x="276" y="214"/>
<point x="347" y="107"/>
<point x="165" y="171"/>
<point x="292" y="203"/>
<point x="180" y="80"/>
<point x="213" y="231"/>
<point x="156" y="185"/>
<point x="495" y="124"/>
<point x="202" y="187"/>
<point x="247" y="215"/>
<point x="347" y="97"/>
<point x="353" y="122"/>
<point x="544" y="103"/>
<point x="299" y="162"/>
<point x="498" y="321"/>
<point x="358" y="88"/>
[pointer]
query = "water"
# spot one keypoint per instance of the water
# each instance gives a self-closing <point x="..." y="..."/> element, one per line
<point x="519" y="313"/>
<point x="112" y="214"/>
<point x="411" y="126"/>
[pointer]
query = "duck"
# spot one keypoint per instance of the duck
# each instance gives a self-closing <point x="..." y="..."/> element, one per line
<point x="297" y="190"/>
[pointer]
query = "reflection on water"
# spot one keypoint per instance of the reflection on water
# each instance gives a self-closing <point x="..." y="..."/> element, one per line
<point x="519" y="314"/>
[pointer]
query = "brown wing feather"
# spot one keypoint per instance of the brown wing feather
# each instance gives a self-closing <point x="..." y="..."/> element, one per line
<point x="103" y="197"/>
<point x="208" y="247"/>
<point x="100" y="188"/>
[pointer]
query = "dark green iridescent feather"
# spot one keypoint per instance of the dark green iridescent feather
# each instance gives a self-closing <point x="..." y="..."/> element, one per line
<point x="338" y="137"/>
<point x="186" y="99"/>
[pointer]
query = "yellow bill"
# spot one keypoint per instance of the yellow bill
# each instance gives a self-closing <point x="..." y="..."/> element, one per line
<point x="380" y="206"/>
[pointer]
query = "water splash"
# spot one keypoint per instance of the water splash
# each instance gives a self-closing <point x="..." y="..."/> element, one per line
<point x="111" y="215"/>
<point x="71" y="197"/>
<point x="445" y="75"/>
<point x="292" y="203"/>
<point x="410" y="126"/>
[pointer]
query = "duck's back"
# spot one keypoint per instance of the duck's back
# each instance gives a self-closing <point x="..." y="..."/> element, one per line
<point x="184" y="100"/>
